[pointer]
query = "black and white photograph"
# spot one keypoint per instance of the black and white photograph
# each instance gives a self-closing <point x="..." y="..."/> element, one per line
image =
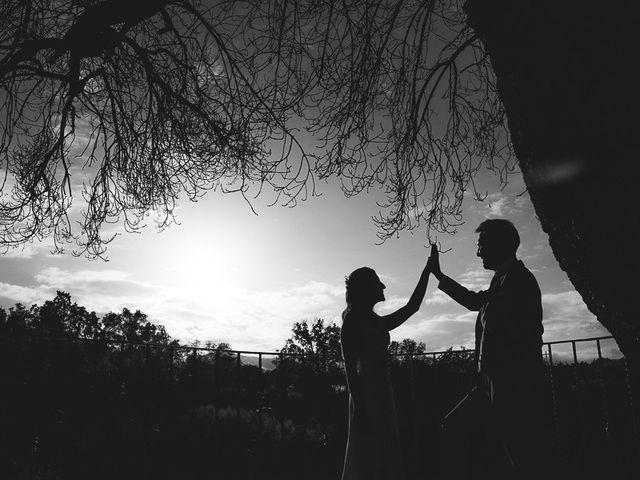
<point x="319" y="240"/>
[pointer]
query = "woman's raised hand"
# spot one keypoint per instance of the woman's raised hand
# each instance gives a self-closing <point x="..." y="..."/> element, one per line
<point x="433" y="264"/>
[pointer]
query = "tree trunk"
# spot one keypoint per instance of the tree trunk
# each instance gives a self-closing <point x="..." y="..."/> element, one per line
<point x="564" y="76"/>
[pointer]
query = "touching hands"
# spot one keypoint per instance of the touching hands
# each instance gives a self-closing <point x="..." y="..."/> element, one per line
<point x="433" y="264"/>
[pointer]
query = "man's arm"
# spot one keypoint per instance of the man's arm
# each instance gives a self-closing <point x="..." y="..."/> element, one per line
<point x="465" y="297"/>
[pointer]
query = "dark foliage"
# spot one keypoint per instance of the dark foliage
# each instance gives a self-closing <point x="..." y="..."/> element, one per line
<point x="78" y="402"/>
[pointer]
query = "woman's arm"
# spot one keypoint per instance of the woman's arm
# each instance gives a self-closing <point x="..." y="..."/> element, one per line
<point x="401" y="315"/>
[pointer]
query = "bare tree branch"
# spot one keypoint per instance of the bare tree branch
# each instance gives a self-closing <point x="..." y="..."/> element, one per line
<point x="125" y="108"/>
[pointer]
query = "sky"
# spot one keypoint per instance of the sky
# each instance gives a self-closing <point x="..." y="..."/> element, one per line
<point x="228" y="275"/>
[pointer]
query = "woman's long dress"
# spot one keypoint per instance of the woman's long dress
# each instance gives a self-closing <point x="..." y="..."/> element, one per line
<point x="373" y="451"/>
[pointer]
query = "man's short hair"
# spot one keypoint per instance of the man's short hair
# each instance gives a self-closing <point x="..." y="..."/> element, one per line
<point x="501" y="232"/>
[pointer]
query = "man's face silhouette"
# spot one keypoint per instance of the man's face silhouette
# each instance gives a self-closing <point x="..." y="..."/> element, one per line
<point x="489" y="251"/>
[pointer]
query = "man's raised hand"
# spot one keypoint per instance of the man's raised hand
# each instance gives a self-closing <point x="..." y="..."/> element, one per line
<point x="433" y="264"/>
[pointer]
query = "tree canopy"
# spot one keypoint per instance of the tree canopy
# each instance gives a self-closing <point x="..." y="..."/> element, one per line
<point x="315" y="344"/>
<point x="114" y="111"/>
<point x="62" y="319"/>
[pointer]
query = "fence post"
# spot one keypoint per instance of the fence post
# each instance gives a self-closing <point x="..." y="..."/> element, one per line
<point x="216" y="385"/>
<point x="603" y="390"/>
<point x="283" y="392"/>
<point x="634" y="425"/>
<point x="554" y="407"/>
<point x="412" y="410"/>
<point x="238" y="388"/>
<point x="261" y="392"/>
<point x="171" y="365"/>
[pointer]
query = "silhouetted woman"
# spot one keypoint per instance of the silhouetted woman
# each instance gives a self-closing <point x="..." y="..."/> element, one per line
<point x="373" y="449"/>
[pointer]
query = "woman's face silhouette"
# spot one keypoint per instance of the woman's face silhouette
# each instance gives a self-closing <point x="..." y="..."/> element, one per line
<point x="377" y="289"/>
<point x="366" y="288"/>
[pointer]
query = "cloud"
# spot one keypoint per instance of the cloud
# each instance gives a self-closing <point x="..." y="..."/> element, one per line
<point x="438" y="297"/>
<point x="503" y="205"/>
<point x="498" y="204"/>
<point x="391" y="305"/>
<point x="25" y="295"/>
<point x="24" y="252"/>
<point x="567" y="317"/>
<point x="61" y="278"/>
<point x="99" y="290"/>
<point x="262" y="319"/>
<point x="440" y="332"/>
<point x="315" y="286"/>
<point x="29" y="250"/>
<point x="522" y="202"/>
<point x="259" y="320"/>
<point x="476" y="277"/>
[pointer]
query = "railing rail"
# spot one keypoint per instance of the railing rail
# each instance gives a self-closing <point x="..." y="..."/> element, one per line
<point x="548" y="345"/>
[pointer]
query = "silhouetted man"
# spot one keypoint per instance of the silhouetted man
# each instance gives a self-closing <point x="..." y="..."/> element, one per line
<point x="507" y="403"/>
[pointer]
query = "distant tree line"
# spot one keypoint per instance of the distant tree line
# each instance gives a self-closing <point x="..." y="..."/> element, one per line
<point x="61" y="318"/>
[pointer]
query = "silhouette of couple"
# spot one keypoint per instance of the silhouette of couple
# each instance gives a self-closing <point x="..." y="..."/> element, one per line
<point x="496" y="430"/>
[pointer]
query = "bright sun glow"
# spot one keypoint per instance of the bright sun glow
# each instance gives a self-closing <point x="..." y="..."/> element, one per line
<point x="206" y="269"/>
